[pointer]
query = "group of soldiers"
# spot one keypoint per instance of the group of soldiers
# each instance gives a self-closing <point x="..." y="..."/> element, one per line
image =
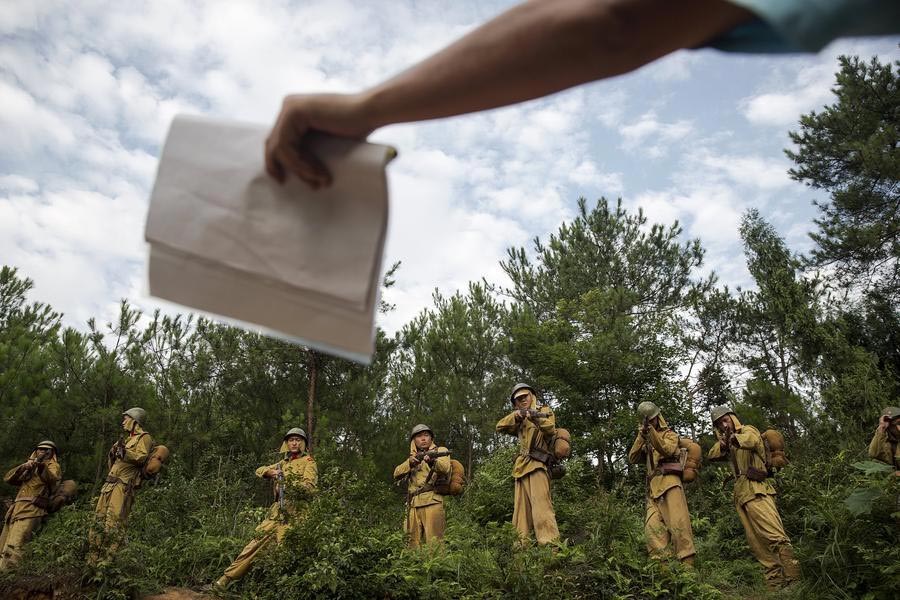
<point x="667" y="520"/>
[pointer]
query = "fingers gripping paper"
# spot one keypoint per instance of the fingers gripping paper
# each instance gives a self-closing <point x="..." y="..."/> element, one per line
<point x="227" y="239"/>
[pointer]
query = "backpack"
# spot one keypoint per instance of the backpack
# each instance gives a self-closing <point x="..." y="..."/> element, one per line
<point x="452" y="484"/>
<point x="64" y="493"/>
<point x="154" y="463"/>
<point x="691" y="458"/>
<point x="774" y="443"/>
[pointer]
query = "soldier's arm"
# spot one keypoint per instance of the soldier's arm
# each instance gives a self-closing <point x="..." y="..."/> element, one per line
<point x="52" y="474"/>
<point x="442" y="464"/>
<point x="508" y="424"/>
<point x="876" y="446"/>
<point x="310" y="478"/>
<point x="137" y="454"/>
<point x="637" y="454"/>
<point x="715" y="453"/>
<point x="665" y="442"/>
<point x="402" y="470"/>
<point x="12" y="476"/>
<point x="261" y="472"/>
<point x="547" y="425"/>
<point x="748" y="438"/>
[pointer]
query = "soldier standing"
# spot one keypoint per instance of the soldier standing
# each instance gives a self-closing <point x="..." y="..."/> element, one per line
<point x="126" y="460"/>
<point x="296" y="471"/>
<point x="424" y="520"/>
<point x="36" y="479"/>
<point x="754" y="496"/>
<point x="667" y="518"/>
<point x="534" y="425"/>
<point x="885" y="444"/>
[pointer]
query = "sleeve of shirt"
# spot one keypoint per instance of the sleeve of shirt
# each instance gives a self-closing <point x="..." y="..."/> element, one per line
<point x="665" y="442"/>
<point x="748" y="439"/>
<point x="310" y="478"/>
<point x="547" y="425"/>
<point x="442" y="465"/>
<point x="637" y="453"/>
<point x="402" y="470"/>
<point x="508" y="424"/>
<point x="807" y="25"/>
<point x="12" y="476"/>
<point x="137" y="454"/>
<point x="715" y="453"/>
<point x="261" y="472"/>
<point x="52" y="474"/>
<point x="876" y="445"/>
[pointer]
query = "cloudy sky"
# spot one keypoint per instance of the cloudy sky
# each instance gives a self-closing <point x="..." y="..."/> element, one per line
<point x="87" y="93"/>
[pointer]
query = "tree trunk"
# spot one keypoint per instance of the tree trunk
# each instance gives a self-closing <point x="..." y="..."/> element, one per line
<point x="310" y="398"/>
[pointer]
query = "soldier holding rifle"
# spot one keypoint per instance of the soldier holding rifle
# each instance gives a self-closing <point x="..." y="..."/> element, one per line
<point x="296" y="470"/>
<point x="667" y="519"/>
<point x="36" y="479"/>
<point x="425" y="519"/>
<point x="535" y="426"/>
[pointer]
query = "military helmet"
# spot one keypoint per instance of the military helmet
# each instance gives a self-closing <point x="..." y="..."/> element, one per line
<point x="419" y="429"/>
<point x="891" y="412"/>
<point x="720" y="411"/>
<point x="136" y="413"/>
<point x="295" y="431"/>
<point x="47" y="444"/>
<point x="648" y="410"/>
<point x="518" y="388"/>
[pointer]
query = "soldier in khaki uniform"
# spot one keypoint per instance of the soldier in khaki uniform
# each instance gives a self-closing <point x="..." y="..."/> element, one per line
<point x="885" y="444"/>
<point x="754" y="496"/>
<point x="36" y="478"/>
<point x="533" y="507"/>
<point x="667" y="519"/>
<point x="424" y="507"/>
<point x="297" y="471"/>
<point x="126" y="460"/>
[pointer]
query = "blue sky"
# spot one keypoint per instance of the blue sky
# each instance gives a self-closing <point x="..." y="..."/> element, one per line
<point x="87" y="94"/>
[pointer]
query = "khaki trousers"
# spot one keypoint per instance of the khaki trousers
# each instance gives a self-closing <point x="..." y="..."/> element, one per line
<point x="268" y="531"/>
<point x="425" y="524"/>
<point x="533" y="507"/>
<point x="767" y="540"/>
<point x="14" y="537"/>
<point x="111" y="513"/>
<point x="668" y="521"/>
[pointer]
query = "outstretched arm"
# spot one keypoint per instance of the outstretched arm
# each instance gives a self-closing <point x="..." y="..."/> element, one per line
<point x="534" y="49"/>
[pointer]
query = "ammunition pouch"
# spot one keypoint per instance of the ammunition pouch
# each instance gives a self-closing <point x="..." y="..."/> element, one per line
<point x="422" y="490"/>
<point x="42" y="502"/>
<point x="556" y="470"/>
<point x="754" y="474"/>
<point x="541" y="456"/>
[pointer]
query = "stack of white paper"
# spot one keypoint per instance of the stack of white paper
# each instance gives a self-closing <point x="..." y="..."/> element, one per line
<point x="227" y="239"/>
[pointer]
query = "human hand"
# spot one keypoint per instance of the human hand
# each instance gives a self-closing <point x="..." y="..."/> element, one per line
<point x="413" y="461"/>
<point x="520" y="415"/>
<point x="287" y="151"/>
<point x="883" y="423"/>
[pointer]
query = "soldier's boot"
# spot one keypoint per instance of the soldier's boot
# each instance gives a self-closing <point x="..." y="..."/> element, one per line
<point x="790" y="566"/>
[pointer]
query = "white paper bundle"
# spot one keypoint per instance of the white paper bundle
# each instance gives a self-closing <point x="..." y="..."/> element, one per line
<point x="228" y="240"/>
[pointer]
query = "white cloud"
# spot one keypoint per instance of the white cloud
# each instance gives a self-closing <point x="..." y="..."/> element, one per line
<point x="650" y="136"/>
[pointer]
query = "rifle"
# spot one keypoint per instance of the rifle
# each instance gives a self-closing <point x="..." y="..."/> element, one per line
<point x="533" y="414"/>
<point x="421" y="455"/>
<point x="279" y="487"/>
<point x="648" y="453"/>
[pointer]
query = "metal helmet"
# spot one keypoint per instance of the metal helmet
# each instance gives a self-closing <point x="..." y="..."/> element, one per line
<point x="891" y="412"/>
<point x="648" y="410"/>
<point x="720" y="411"/>
<point x="419" y="429"/>
<point x="47" y="444"/>
<point x="296" y="431"/>
<point x="518" y="388"/>
<point x="136" y="413"/>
